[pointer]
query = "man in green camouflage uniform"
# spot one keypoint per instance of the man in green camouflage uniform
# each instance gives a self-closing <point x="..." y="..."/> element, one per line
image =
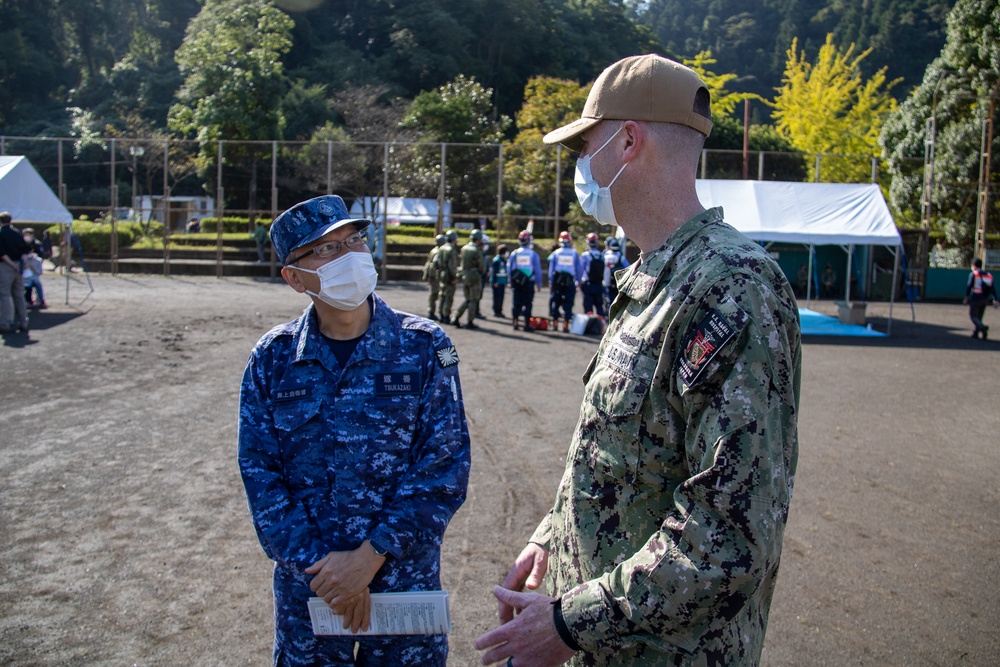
<point x="663" y="544"/>
<point x="430" y="277"/>
<point x="473" y="267"/>
<point x="446" y="263"/>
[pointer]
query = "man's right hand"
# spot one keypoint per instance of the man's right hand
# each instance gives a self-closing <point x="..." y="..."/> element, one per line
<point x="527" y="572"/>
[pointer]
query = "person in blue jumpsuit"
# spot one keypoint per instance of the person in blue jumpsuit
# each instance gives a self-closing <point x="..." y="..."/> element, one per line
<point x="592" y="277"/>
<point x="524" y="260"/>
<point x="564" y="275"/>
<point x="353" y="445"/>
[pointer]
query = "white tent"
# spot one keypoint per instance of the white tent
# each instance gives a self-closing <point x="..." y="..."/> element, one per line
<point x="400" y="210"/>
<point x="812" y="214"/>
<point x="26" y="196"/>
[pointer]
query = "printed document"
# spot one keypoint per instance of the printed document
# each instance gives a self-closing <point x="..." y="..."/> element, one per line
<point x="407" y="613"/>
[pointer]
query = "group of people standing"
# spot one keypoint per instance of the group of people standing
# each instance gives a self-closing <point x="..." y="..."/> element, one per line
<point x="21" y="257"/>
<point x="592" y="272"/>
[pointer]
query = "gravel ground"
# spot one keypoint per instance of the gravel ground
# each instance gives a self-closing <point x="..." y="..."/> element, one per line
<point x="126" y="539"/>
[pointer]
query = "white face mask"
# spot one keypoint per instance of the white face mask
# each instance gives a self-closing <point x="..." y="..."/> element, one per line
<point x="345" y="282"/>
<point x="595" y="200"/>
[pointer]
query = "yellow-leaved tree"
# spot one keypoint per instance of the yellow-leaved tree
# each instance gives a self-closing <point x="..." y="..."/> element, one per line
<point x="723" y="101"/>
<point x="529" y="165"/>
<point x="828" y="108"/>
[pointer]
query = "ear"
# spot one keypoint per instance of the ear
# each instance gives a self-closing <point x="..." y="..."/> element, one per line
<point x="291" y="277"/>
<point x="632" y="131"/>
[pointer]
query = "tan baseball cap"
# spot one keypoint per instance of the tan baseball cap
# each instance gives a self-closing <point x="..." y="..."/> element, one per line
<point x="647" y="88"/>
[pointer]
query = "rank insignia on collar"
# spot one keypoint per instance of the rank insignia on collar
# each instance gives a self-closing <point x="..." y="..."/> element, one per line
<point x="703" y="344"/>
<point x="447" y="356"/>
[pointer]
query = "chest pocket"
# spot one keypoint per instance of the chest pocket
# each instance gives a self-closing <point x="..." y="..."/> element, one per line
<point x="618" y="380"/>
<point x="302" y="435"/>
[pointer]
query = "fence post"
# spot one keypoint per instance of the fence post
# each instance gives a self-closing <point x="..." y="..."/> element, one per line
<point x="760" y="166"/>
<point x="816" y="176"/>
<point x="165" y="198"/>
<point x="558" y="183"/>
<point x="114" y="216"/>
<point x="218" y="213"/>
<point x="440" y="221"/>
<point x="499" y="188"/>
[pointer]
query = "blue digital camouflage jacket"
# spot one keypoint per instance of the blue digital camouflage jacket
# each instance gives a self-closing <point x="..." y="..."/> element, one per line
<point x="378" y="449"/>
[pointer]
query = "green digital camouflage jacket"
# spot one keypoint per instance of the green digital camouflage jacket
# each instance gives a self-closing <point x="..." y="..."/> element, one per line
<point x="666" y="532"/>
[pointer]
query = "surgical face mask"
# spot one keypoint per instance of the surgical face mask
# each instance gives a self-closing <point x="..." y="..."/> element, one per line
<point x="345" y="282"/>
<point x="595" y="200"/>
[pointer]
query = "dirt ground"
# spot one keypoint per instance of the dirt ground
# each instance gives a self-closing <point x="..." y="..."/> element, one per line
<point x="126" y="538"/>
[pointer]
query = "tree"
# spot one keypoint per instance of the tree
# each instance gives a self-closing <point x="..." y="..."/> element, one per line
<point x="828" y="108"/>
<point x="234" y="80"/>
<point x="529" y="164"/>
<point x="461" y="112"/>
<point x="955" y="95"/>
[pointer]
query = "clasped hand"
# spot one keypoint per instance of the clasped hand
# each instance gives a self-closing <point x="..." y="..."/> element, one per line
<point x="341" y="578"/>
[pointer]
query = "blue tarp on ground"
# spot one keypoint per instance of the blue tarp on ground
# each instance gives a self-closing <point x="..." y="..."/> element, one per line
<point x="818" y="324"/>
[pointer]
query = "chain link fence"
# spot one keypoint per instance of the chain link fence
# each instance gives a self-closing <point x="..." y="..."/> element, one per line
<point x="162" y="184"/>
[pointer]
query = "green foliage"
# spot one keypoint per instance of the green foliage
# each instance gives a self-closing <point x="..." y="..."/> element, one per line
<point x="955" y="93"/>
<point x="461" y="112"/>
<point x="95" y="237"/>
<point x="233" y="76"/>
<point x="828" y="107"/>
<point x="529" y="165"/>
<point x="230" y="225"/>
<point x="750" y="37"/>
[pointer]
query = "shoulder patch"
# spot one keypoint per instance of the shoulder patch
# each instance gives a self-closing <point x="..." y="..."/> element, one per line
<point x="417" y="323"/>
<point x="447" y="356"/>
<point x="702" y="344"/>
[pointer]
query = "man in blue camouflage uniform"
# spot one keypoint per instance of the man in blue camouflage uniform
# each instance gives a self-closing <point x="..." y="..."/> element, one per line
<point x="663" y="544"/>
<point x="353" y="445"/>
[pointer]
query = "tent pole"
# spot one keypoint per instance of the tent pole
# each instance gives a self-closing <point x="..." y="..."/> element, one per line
<point x="847" y="278"/>
<point x="810" y="277"/>
<point x="892" y="290"/>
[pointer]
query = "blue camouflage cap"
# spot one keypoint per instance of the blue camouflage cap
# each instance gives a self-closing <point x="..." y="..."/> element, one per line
<point x="308" y="221"/>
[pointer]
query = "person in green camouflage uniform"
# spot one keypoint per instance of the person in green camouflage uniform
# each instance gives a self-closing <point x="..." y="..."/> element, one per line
<point x="473" y="267"/>
<point x="446" y="263"/>
<point x="662" y="547"/>
<point x="430" y="277"/>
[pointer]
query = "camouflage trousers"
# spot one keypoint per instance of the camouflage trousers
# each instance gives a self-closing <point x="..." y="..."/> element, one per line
<point x="446" y="291"/>
<point x="472" y="290"/>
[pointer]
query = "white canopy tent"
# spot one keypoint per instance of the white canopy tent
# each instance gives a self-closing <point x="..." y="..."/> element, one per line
<point x="26" y="196"/>
<point x="29" y="198"/>
<point x="844" y="214"/>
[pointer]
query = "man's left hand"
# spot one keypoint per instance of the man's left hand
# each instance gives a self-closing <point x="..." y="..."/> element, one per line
<point x="343" y="574"/>
<point x="531" y="639"/>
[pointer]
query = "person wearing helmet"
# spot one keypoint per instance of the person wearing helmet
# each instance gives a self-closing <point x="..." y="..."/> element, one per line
<point x="446" y="260"/>
<point x="565" y="271"/>
<point x="614" y="260"/>
<point x="353" y="445"/>
<point x="524" y="270"/>
<point x="430" y="277"/>
<point x="498" y="278"/>
<point x="473" y="265"/>
<point x="592" y="281"/>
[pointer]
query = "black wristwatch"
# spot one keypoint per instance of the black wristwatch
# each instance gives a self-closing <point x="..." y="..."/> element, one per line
<point x="377" y="549"/>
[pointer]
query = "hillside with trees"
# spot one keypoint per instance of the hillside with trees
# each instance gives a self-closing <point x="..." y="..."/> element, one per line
<point x="846" y="81"/>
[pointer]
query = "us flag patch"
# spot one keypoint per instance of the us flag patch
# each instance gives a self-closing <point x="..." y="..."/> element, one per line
<point x="447" y="356"/>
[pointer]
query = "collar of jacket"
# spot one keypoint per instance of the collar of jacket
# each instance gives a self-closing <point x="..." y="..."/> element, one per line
<point x="377" y="343"/>
<point x="643" y="276"/>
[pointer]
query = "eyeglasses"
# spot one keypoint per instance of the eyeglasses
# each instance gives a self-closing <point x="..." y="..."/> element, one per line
<point x="331" y="248"/>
